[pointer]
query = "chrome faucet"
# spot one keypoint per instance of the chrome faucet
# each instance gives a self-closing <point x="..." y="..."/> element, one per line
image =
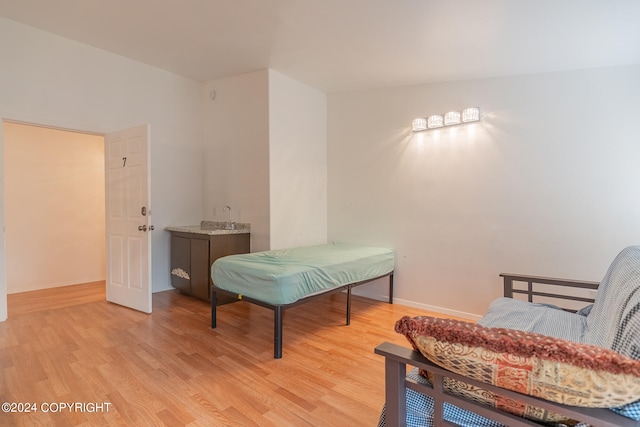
<point x="229" y="225"/>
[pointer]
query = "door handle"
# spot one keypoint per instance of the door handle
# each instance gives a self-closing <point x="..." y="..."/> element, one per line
<point x="142" y="228"/>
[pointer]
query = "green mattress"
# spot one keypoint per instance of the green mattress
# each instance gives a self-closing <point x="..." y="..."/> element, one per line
<point x="284" y="276"/>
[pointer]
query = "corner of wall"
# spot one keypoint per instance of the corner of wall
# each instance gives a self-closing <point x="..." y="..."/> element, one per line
<point x="3" y="270"/>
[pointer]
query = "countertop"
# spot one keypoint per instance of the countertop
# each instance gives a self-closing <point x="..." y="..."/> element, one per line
<point x="212" y="228"/>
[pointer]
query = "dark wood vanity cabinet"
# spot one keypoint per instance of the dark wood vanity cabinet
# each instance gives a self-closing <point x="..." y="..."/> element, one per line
<point x="192" y="255"/>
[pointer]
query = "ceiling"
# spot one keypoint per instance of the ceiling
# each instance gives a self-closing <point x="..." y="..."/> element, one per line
<point x="339" y="45"/>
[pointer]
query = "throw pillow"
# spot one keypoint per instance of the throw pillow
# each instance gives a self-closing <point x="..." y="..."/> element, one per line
<point x="534" y="364"/>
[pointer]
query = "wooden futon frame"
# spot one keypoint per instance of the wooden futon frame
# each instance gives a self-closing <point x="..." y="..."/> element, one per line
<point x="397" y="358"/>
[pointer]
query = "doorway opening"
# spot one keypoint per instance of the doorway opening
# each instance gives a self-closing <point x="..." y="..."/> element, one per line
<point x="54" y="199"/>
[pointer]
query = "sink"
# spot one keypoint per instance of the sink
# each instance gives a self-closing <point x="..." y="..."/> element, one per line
<point x="223" y="225"/>
<point x="213" y="227"/>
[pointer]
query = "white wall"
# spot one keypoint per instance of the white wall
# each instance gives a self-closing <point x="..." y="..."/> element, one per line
<point x="236" y="158"/>
<point x="3" y="263"/>
<point x="50" y="80"/>
<point x="297" y="163"/>
<point x="265" y="156"/>
<point x="54" y="185"/>
<point x="546" y="183"/>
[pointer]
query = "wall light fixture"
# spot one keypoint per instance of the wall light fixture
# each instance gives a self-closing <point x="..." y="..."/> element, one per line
<point x="452" y="118"/>
<point x="435" y="121"/>
<point x="471" y="114"/>
<point x="419" y="124"/>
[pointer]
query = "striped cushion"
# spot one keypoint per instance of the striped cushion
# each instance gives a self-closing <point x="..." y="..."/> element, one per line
<point x="613" y="322"/>
<point x="532" y="317"/>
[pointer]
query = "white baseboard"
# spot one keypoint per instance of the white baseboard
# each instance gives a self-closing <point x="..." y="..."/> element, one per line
<point x="162" y="288"/>
<point x="427" y="307"/>
<point x="437" y="309"/>
<point x="51" y="285"/>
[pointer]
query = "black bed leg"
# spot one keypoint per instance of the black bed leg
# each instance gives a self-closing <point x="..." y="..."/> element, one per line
<point x="349" y="305"/>
<point x="277" y="332"/>
<point x="391" y="288"/>
<point x="214" y="303"/>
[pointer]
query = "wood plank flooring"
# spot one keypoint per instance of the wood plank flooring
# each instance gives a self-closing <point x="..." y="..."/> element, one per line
<point x="49" y="299"/>
<point x="69" y="346"/>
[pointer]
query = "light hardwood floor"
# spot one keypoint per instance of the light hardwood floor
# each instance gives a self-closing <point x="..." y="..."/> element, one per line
<point x="170" y="368"/>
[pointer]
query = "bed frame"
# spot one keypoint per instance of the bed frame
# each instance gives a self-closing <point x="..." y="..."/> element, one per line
<point x="397" y="358"/>
<point x="278" y="309"/>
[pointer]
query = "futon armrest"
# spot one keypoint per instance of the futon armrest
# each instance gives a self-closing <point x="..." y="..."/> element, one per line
<point x="398" y="357"/>
<point x="563" y="292"/>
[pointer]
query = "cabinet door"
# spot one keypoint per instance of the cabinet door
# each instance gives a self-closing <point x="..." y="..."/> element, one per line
<point x="228" y="244"/>
<point x="200" y="268"/>
<point x="181" y="263"/>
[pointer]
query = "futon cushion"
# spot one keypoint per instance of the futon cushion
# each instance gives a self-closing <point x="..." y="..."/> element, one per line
<point x="612" y="322"/>
<point x="550" y="368"/>
<point x="543" y="319"/>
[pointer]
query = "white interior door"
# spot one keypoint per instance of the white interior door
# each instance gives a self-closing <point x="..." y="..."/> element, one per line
<point x="128" y="237"/>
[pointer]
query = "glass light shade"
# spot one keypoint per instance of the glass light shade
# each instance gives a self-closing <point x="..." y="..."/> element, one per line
<point x="471" y="114"/>
<point x="452" y="118"/>
<point x="435" y="121"/>
<point x="419" y="124"/>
